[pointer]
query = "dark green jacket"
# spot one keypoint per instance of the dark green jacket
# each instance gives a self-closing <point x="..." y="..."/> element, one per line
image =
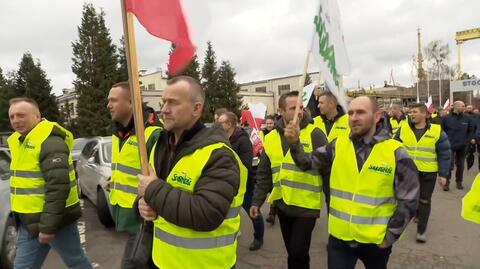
<point x="126" y="219"/>
<point x="55" y="169"/>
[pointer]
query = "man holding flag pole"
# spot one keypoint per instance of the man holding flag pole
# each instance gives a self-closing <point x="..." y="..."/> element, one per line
<point x="194" y="208"/>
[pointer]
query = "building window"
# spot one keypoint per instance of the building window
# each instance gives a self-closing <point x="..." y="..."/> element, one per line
<point x="151" y="87"/>
<point x="142" y="88"/>
<point x="261" y="89"/>
<point x="282" y="89"/>
<point x="72" y="109"/>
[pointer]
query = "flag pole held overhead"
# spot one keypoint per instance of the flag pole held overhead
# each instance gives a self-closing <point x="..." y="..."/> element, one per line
<point x="302" y="83"/>
<point x="136" y="97"/>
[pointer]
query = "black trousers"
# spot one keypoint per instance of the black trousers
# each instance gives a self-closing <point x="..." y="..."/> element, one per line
<point x="344" y="255"/>
<point x="427" y="185"/>
<point x="458" y="157"/>
<point x="297" y="234"/>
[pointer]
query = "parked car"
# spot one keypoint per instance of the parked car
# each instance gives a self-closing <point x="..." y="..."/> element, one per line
<point x="78" y="145"/>
<point x="93" y="173"/>
<point x="8" y="230"/>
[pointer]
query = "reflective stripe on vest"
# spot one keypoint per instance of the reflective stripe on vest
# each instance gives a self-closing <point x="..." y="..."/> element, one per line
<point x="195" y="243"/>
<point x="471" y="202"/>
<point x="26" y="191"/>
<point x="196" y="249"/>
<point x="27" y="185"/>
<point x="290" y="183"/>
<point x="340" y="127"/>
<point x="362" y="202"/>
<point x="374" y="201"/>
<point x="423" y="152"/>
<point x="125" y="168"/>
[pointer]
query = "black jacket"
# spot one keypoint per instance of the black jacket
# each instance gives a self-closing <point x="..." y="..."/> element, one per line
<point x="460" y="128"/>
<point x="206" y="208"/>
<point x="240" y="142"/>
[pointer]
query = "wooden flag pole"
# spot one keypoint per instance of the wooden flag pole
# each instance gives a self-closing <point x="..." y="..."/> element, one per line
<point x="302" y="84"/>
<point x="131" y="52"/>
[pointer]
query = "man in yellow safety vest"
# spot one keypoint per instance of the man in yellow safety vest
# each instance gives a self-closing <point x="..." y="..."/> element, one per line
<point x="44" y="196"/>
<point x="373" y="187"/>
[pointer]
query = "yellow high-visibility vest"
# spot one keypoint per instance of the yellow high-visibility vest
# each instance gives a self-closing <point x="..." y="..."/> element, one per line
<point x="396" y="124"/>
<point x="125" y="168"/>
<point x="176" y="247"/>
<point x="423" y="152"/>
<point x="27" y="185"/>
<point x="340" y="127"/>
<point x="290" y="183"/>
<point x="362" y="202"/>
<point x="471" y="202"/>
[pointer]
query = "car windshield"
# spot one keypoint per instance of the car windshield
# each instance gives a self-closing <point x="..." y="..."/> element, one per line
<point x="78" y="144"/>
<point x="107" y="152"/>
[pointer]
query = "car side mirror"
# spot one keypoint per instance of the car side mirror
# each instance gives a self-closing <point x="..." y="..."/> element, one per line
<point x="91" y="159"/>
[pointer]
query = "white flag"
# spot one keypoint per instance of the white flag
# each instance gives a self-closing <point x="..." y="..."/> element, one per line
<point x="307" y="93"/>
<point x="328" y="47"/>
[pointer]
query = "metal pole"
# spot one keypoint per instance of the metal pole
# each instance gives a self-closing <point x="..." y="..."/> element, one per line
<point x="439" y="85"/>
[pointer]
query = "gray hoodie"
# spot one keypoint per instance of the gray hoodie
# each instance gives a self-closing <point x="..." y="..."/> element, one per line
<point x="406" y="183"/>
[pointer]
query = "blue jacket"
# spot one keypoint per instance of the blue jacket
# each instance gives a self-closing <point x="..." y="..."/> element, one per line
<point x="460" y="129"/>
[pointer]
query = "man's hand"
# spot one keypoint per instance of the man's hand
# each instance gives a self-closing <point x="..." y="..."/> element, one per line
<point x="45" y="238"/>
<point x="384" y="244"/>
<point x="254" y="212"/>
<point x="144" y="180"/>
<point x="442" y="181"/>
<point x="292" y="133"/>
<point x="146" y="211"/>
<point x="472" y="141"/>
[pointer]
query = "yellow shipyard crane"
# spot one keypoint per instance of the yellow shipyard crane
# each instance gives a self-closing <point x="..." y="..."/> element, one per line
<point x="461" y="37"/>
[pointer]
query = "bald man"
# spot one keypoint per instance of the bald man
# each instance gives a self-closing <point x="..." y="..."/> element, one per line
<point x="374" y="187"/>
<point x="43" y="188"/>
<point x="460" y="129"/>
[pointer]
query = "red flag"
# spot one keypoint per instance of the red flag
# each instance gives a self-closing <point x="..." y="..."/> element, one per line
<point x="247" y="117"/>
<point x="165" y="19"/>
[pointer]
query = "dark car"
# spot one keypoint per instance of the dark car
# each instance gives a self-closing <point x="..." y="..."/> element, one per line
<point x="8" y="230"/>
<point x="93" y="173"/>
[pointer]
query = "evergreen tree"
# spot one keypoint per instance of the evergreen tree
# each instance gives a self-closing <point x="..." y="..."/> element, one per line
<point x="122" y="61"/>
<point x="5" y="94"/>
<point x="209" y="84"/>
<point x="228" y="88"/>
<point x="192" y="69"/>
<point x="96" y="70"/>
<point x="32" y="82"/>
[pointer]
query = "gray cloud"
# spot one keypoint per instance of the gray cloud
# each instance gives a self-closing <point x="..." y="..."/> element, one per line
<point x="262" y="39"/>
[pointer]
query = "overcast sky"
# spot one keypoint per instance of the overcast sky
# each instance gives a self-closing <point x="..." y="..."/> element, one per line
<point x="262" y="39"/>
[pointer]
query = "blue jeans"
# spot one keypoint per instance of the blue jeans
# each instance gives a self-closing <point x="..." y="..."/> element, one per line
<point x="31" y="254"/>
<point x="258" y="225"/>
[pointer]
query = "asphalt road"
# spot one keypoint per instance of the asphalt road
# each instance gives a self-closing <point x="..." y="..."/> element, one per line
<point x="452" y="242"/>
